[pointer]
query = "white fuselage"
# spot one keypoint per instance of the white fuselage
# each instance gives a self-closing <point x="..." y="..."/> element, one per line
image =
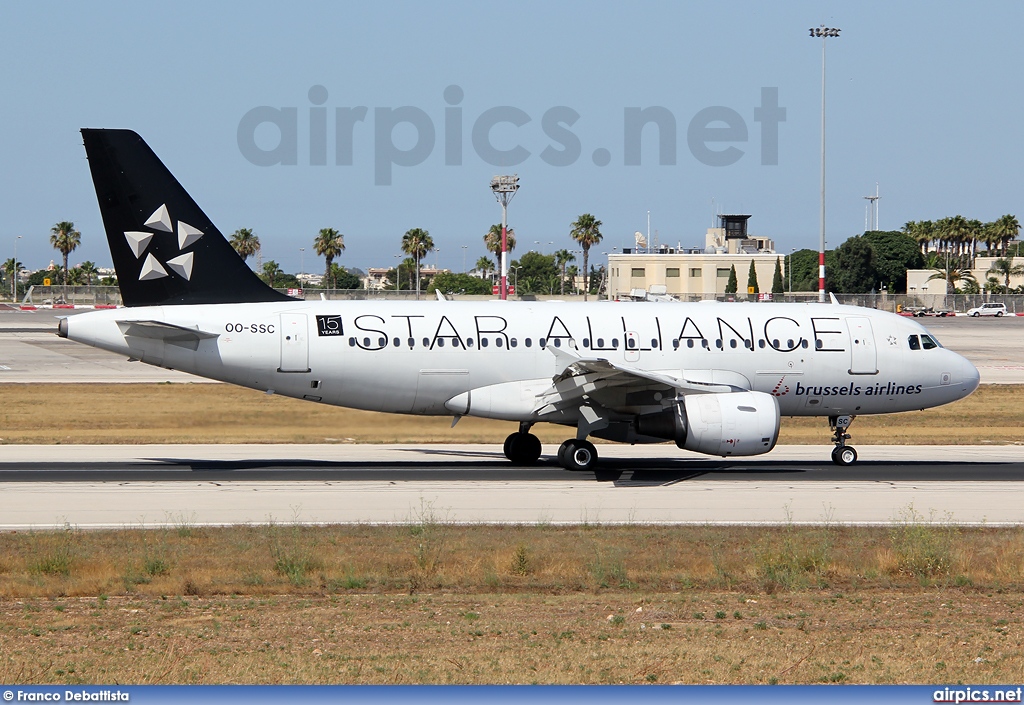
<point x="413" y="357"/>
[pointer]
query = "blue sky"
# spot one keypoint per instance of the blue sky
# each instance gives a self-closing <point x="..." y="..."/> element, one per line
<point x="923" y="98"/>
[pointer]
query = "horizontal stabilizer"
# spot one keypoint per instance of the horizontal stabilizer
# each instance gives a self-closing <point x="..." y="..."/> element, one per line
<point x="167" y="332"/>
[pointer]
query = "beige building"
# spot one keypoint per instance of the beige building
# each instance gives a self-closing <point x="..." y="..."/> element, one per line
<point x="697" y="273"/>
<point x="918" y="283"/>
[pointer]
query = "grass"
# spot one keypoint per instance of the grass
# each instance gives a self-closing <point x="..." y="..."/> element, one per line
<point x="633" y="604"/>
<point x="219" y="413"/>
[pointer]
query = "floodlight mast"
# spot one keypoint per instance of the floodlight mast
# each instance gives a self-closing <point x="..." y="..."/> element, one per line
<point x="504" y="188"/>
<point x="823" y="32"/>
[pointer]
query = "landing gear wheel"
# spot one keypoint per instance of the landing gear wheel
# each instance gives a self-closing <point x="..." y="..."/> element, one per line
<point x="844" y="455"/>
<point x="577" y="455"/>
<point x="522" y="448"/>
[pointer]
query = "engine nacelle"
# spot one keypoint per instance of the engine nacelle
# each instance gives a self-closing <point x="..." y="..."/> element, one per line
<point x="735" y="423"/>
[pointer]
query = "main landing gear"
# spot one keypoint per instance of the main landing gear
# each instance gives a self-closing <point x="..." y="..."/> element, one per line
<point x="842" y="454"/>
<point x="523" y="448"/>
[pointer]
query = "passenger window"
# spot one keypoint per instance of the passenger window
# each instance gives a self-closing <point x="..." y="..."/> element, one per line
<point x="529" y="342"/>
<point x="915" y="344"/>
<point x="440" y="342"/>
<point x="483" y="342"/>
<point x="469" y="342"/>
<point x="513" y="342"/>
<point x="586" y="342"/>
<point x="654" y="344"/>
<point x="600" y="342"/>
<point x="541" y="342"/>
<point x="928" y="343"/>
<point x="498" y="342"/>
<point x="689" y="343"/>
<point x="412" y="342"/>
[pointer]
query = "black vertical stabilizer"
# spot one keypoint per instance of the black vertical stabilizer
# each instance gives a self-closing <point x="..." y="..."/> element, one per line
<point x="165" y="249"/>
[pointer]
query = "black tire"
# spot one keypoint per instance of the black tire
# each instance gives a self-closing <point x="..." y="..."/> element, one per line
<point x="523" y="448"/>
<point x="563" y="449"/>
<point x="999" y="314"/>
<point x="975" y="314"/>
<point x="844" y="456"/>
<point x="580" y="456"/>
<point x="507" y="449"/>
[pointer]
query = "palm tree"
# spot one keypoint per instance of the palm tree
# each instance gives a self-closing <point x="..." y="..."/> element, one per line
<point x="65" y="238"/>
<point x="562" y="259"/>
<point x="1007" y="229"/>
<point x="246" y="243"/>
<point x="329" y="243"/>
<point x="11" y="268"/>
<point x="88" y="271"/>
<point x="485" y="265"/>
<point x="953" y="274"/>
<point x="271" y="271"/>
<point x="417" y="243"/>
<point x="586" y="231"/>
<point x="1006" y="267"/>
<point x="492" y="241"/>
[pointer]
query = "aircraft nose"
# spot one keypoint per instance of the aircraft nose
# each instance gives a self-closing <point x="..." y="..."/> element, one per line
<point x="971" y="376"/>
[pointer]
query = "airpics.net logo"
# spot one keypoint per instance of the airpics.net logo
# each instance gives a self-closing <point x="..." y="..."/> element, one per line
<point x="502" y="136"/>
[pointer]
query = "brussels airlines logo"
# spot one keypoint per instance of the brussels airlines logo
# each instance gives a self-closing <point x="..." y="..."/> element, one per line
<point x="138" y="241"/>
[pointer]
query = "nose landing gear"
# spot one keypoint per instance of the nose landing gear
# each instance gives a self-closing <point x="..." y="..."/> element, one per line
<point x="842" y="454"/>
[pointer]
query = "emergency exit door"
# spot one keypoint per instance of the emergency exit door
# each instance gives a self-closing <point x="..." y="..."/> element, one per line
<point x="294" y="343"/>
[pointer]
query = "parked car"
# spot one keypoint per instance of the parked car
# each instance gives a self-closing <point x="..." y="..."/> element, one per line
<point x="989" y="309"/>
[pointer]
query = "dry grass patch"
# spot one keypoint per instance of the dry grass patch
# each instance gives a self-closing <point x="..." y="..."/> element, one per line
<point x="919" y="601"/>
<point x="218" y="413"/>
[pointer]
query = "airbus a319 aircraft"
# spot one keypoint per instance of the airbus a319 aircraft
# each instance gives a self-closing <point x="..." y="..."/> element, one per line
<point x="713" y="377"/>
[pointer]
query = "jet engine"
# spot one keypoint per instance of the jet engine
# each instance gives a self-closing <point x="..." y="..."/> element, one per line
<point x="734" y="423"/>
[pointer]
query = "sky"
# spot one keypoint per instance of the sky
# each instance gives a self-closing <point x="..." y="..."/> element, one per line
<point x="922" y="98"/>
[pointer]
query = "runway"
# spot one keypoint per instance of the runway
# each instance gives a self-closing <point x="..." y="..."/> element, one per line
<point x="149" y="486"/>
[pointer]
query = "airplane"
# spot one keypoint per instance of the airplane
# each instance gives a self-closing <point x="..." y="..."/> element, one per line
<point x="713" y="377"/>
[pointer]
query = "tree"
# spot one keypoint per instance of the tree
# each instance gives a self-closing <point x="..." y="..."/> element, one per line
<point x="803" y="270"/>
<point x="492" y="240"/>
<point x="562" y="259"/>
<point x="854" y="271"/>
<point x="65" y="239"/>
<point x="485" y="266"/>
<point x="245" y="243"/>
<point x="953" y="274"/>
<point x="271" y="272"/>
<point x="733" y="283"/>
<point x="75" y="277"/>
<point x="417" y="243"/>
<point x="11" y="269"/>
<point x="1005" y="267"/>
<point x="1006" y="228"/>
<point x="88" y="271"/>
<point x="329" y="243"/>
<point x="536" y="273"/>
<point x="449" y="283"/>
<point x="778" y="283"/>
<point x="895" y="253"/>
<point x="752" y="280"/>
<point x="586" y="231"/>
<point x="342" y="278"/>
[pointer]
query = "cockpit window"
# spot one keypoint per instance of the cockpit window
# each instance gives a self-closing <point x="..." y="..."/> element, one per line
<point x="915" y="344"/>
<point x="927" y="342"/>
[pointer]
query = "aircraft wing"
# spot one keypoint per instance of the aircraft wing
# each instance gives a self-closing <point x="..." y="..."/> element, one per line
<point x="167" y="332"/>
<point x="578" y="376"/>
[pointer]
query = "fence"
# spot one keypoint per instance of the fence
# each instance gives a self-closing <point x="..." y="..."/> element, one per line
<point x="111" y="296"/>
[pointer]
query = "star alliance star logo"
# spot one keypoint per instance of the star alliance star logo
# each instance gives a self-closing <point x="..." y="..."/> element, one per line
<point x="152" y="269"/>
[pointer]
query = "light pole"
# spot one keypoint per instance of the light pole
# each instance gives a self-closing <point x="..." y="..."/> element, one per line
<point x="302" y="262"/>
<point x="823" y="32"/>
<point x="464" y="248"/>
<point x="504" y="188"/>
<point x="791" y="251"/>
<point x="515" y="287"/>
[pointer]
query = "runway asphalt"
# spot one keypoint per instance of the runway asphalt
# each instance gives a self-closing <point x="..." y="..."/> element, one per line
<point x="122" y="486"/>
